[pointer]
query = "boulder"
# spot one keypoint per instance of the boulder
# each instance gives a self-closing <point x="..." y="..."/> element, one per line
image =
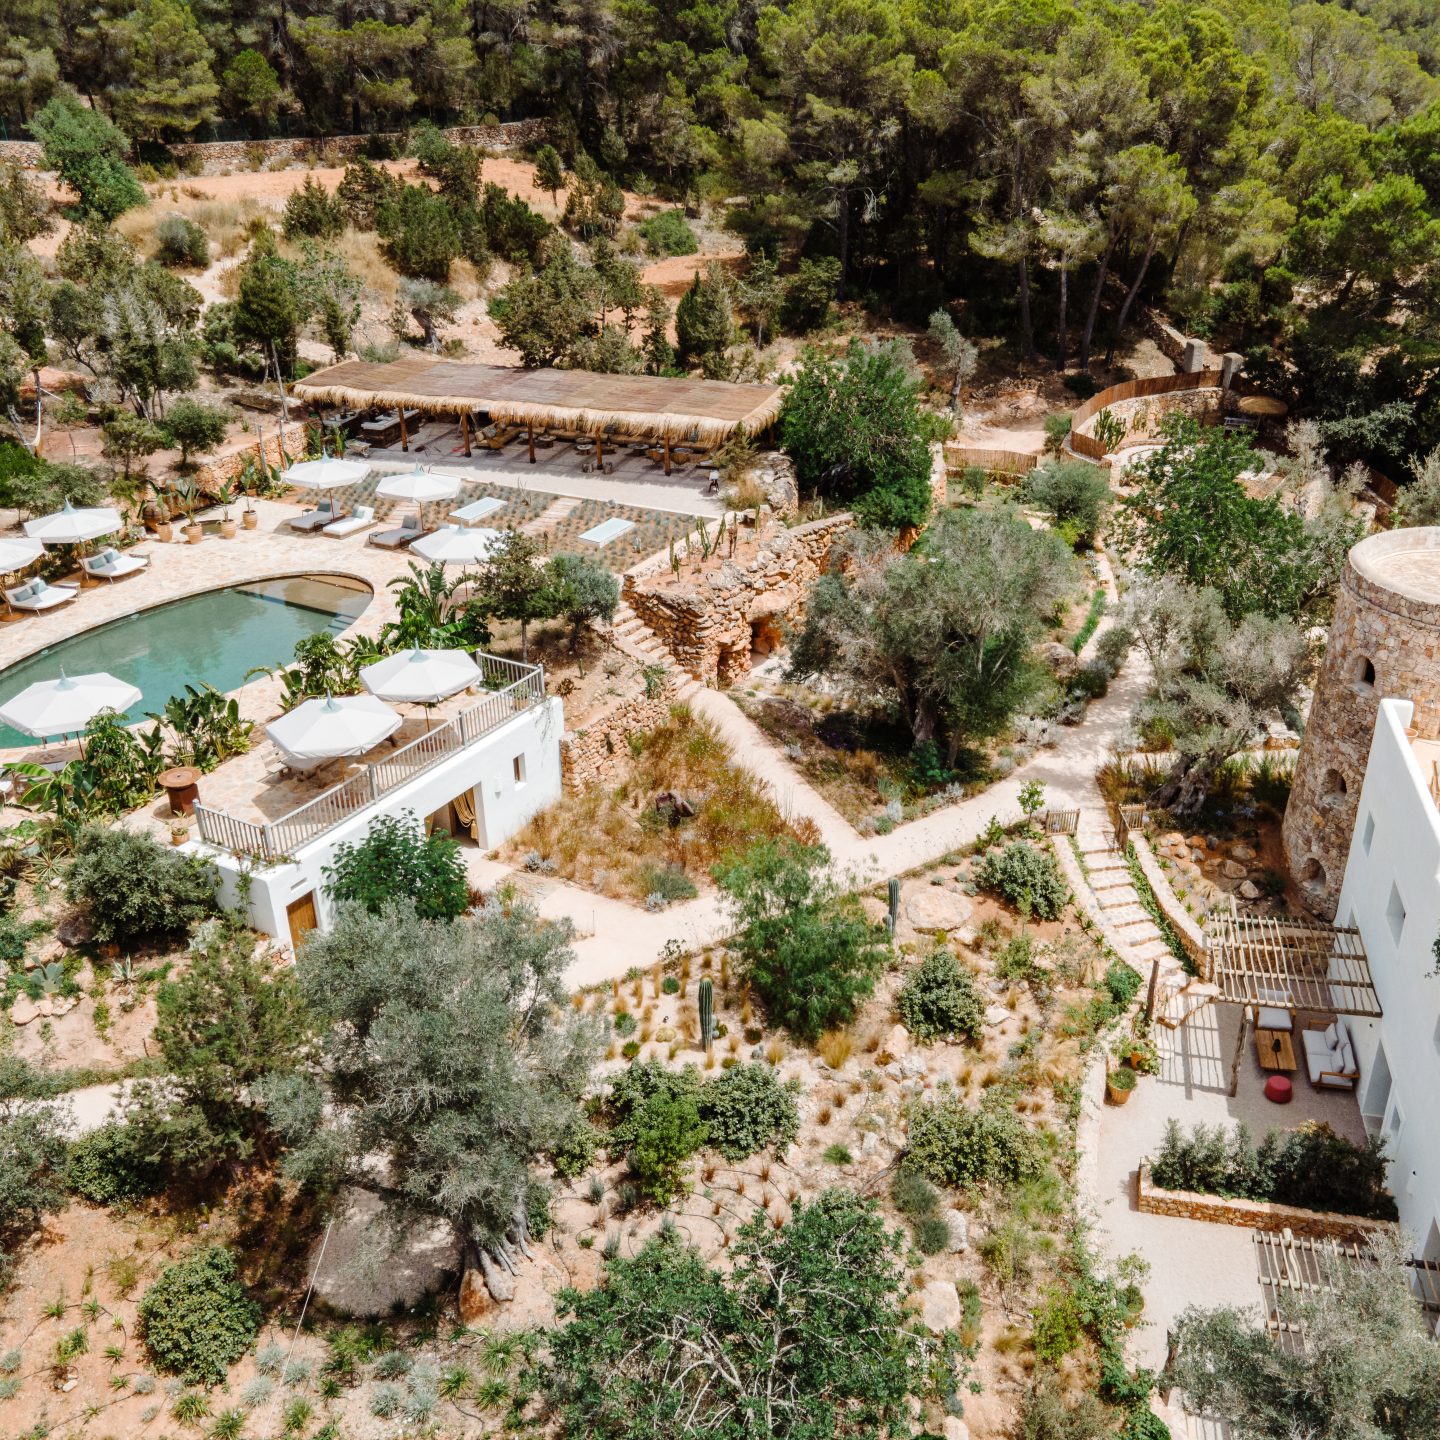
<point x="476" y="1302"/>
<point x="1232" y="870"/>
<point x="959" y="1223"/>
<point x="1060" y="660"/>
<point x="897" y="1041"/>
<point x="1171" y="838"/>
<point x="774" y="474"/>
<point x="75" y="928"/>
<point x="933" y="908"/>
<point x="940" y="1306"/>
<point x="1248" y="890"/>
<point x="996" y="1014"/>
<point x="954" y="1428"/>
<point x="24" y="1010"/>
<point x="1242" y="851"/>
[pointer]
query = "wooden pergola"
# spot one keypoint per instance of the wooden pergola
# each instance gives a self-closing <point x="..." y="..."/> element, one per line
<point x="1290" y="1264"/>
<point x="1284" y="962"/>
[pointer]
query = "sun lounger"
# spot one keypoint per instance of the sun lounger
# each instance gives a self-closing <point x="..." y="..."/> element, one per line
<point x="326" y="513"/>
<point x="110" y="564"/>
<point x="338" y="529"/>
<point x="38" y="595"/>
<point x="409" y="529"/>
<point x="476" y="510"/>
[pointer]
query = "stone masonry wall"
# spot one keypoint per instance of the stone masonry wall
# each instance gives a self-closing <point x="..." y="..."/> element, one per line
<point x="1252" y="1214"/>
<point x="599" y="750"/>
<point x="218" y="155"/>
<point x="709" y="623"/>
<point x="1396" y="633"/>
<point x="1144" y="414"/>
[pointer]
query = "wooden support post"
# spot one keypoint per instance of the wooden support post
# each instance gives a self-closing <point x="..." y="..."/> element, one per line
<point x="1239" y="1051"/>
<point x="1150" y="994"/>
<point x="465" y="431"/>
<point x="530" y="433"/>
<point x="667" y="457"/>
<point x="600" y="451"/>
<point x="404" y="434"/>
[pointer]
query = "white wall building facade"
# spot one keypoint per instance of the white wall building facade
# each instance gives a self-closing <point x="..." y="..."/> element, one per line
<point x="506" y="773"/>
<point x="1391" y="894"/>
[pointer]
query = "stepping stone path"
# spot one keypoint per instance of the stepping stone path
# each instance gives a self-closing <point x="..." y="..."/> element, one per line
<point x="551" y="516"/>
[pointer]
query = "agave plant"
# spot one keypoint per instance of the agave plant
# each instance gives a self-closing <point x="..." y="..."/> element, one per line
<point x="50" y="978"/>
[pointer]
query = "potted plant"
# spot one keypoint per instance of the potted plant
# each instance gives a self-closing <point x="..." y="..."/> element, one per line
<point x="179" y="832"/>
<point x="248" y="481"/>
<point x="225" y="499"/>
<point x="187" y="492"/>
<point x="158" y="513"/>
<point x="1119" y="1085"/>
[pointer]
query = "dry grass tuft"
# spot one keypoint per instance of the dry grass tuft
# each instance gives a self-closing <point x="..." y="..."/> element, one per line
<point x="835" y="1047"/>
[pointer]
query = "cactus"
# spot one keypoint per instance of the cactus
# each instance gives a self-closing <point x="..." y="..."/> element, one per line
<point x="706" y="995"/>
<point x="893" y="917"/>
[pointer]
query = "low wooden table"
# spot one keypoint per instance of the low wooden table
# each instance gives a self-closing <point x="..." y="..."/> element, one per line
<point x="1271" y="1056"/>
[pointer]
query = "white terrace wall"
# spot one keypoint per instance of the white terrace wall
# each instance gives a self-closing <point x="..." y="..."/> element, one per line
<point x="1391" y="893"/>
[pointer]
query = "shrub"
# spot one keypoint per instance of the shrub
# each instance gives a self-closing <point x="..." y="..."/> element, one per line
<point x="1025" y="878"/>
<point x="954" y="1144"/>
<point x="194" y="427"/>
<point x="137" y="892"/>
<point x="938" y="1000"/>
<point x="932" y="1235"/>
<point x="1058" y="1326"/>
<point x="748" y="1108"/>
<point x="1312" y="1167"/>
<point x="1074" y="493"/>
<point x="668" y="1130"/>
<point x="110" y="1166"/>
<point x="624" y="1023"/>
<point x="1123" y="983"/>
<point x="181" y="242"/>
<point x="398" y="860"/>
<point x="668" y="233"/>
<point x="836" y="1155"/>
<point x="574" y="1152"/>
<point x="914" y="1196"/>
<point x="310" y="211"/>
<point x="668" y="883"/>
<point x="196" y="1319"/>
<point x="634" y="1088"/>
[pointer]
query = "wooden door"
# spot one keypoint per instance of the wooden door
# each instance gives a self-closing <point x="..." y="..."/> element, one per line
<point x="303" y="919"/>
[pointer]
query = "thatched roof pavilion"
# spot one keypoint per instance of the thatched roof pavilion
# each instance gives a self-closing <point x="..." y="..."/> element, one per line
<point x="678" y="411"/>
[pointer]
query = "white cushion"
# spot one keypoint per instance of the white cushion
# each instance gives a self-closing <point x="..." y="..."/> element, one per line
<point x="1274" y="1019"/>
<point x="1332" y="1034"/>
<point x="38" y="587"/>
<point x="1345" y="1060"/>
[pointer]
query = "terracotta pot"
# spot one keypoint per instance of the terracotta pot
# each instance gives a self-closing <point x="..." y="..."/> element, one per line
<point x="1116" y="1094"/>
<point x="194" y="534"/>
<point x="179" y="834"/>
<point x="164" y="530"/>
<point x="250" y="519"/>
<point x="227" y="529"/>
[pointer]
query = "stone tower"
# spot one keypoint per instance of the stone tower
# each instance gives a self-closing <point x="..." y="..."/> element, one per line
<point x="1384" y="644"/>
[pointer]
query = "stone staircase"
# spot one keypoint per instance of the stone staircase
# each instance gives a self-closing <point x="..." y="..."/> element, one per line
<point x="550" y="516"/>
<point x="633" y="637"/>
<point x="1178" y="995"/>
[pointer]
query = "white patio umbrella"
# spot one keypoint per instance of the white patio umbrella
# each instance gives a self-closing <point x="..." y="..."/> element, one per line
<point x="69" y="526"/>
<point x="67" y="705"/>
<point x="329" y="728"/>
<point x="421" y="677"/>
<point x="328" y="473"/>
<point x="17" y="552"/>
<point x="455" y="545"/>
<point x="419" y="486"/>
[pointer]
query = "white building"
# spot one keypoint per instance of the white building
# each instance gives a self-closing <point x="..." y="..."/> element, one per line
<point x="1391" y="894"/>
<point x="481" y="775"/>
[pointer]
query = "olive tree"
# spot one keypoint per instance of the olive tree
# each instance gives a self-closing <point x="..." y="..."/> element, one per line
<point x="1215" y="680"/>
<point x="1366" y="1365"/>
<point x="32" y="1158"/>
<point x="941" y="635"/>
<point x="448" y="1050"/>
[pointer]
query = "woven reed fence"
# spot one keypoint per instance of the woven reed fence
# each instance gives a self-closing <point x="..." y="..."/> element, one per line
<point x="1091" y="448"/>
<point x="993" y="462"/>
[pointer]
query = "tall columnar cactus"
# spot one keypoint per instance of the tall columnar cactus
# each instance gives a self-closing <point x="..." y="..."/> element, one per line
<point x="893" y="918"/>
<point x="707" y="1014"/>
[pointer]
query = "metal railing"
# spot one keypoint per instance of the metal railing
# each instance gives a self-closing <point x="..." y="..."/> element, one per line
<point x="522" y="687"/>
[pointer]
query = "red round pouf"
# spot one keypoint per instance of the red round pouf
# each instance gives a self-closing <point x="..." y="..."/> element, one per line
<point x="1278" y="1090"/>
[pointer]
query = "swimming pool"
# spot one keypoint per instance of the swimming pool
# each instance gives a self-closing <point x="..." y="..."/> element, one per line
<point x="213" y="638"/>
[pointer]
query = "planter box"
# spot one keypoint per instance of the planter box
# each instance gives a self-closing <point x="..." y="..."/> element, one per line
<point x="1252" y="1214"/>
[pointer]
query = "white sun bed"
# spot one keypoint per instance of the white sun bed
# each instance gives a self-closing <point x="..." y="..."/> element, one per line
<point x="111" y="564"/>
<point x="38" y="595"/>
<point x="338" y="529"/>
<point x="409" y="529"/>
<point x="476" y="510"/>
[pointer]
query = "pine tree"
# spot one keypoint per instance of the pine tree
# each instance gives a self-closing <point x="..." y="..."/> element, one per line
<point x="171" y="89"/>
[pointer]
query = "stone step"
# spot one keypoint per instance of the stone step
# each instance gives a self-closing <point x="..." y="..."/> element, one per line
<point x="1154" y="949"/>
<point x="1122" y="915"/>
<point x="1107" y="882"/>
<point x="1107" y="865"/>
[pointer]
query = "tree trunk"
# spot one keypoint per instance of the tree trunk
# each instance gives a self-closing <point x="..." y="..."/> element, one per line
<point x="1101" y="276"/>
<point x="1130" y="295"/>
<point x="843" y="226"/>
<point x="1184" y="789"/>
<point x="1062" y="336"/>
<point x="524" y="642"/>
<point x="1027" y="329"/>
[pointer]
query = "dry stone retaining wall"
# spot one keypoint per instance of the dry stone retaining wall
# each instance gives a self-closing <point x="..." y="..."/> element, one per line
<point x="712" y="623"/>
<point x="1252" y="1214"/>
<point x="217" y="155"/>
<point x="599" y="750"/>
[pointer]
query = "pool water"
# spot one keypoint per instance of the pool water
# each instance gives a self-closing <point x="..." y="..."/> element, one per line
<point x="213" y="638"/>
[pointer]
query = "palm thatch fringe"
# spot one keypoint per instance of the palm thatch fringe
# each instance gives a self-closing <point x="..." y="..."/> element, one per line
<point x="682" y="411"/>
